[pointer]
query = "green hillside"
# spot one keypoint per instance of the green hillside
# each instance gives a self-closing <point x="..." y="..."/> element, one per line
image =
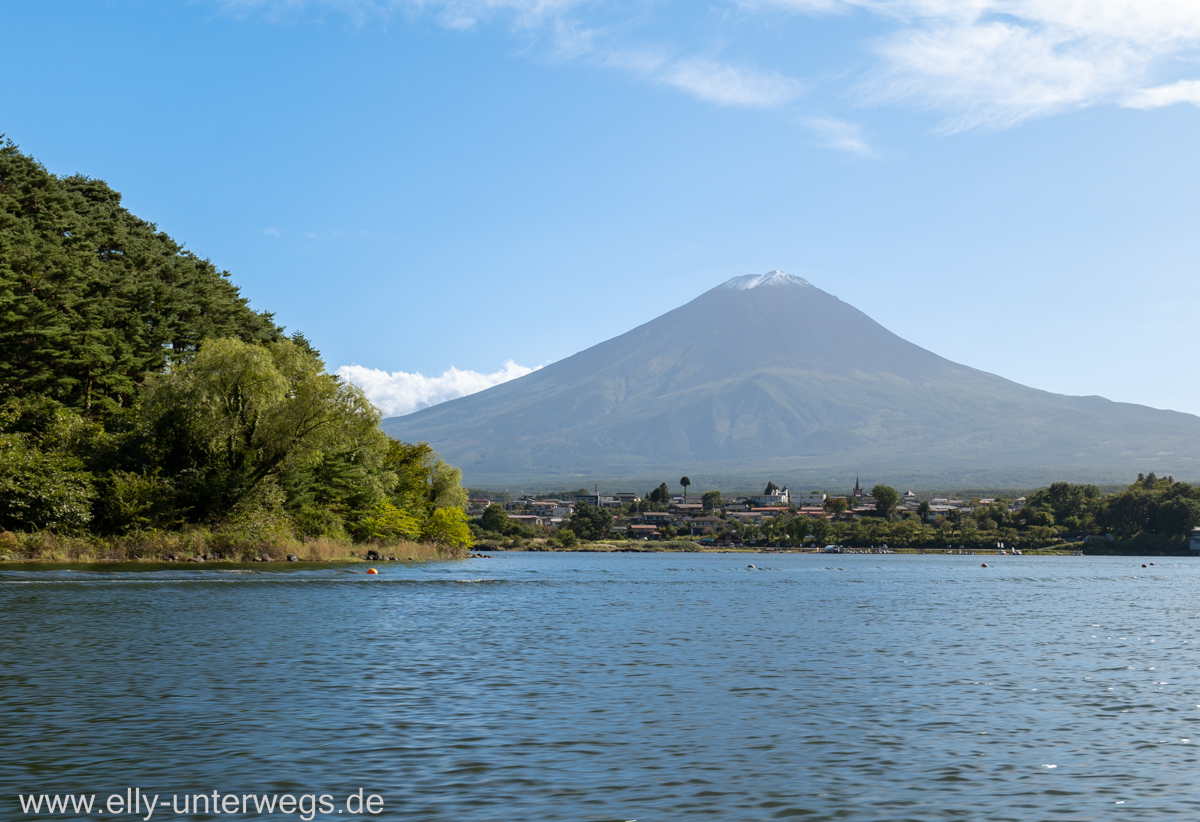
<point x="140" y="395"/>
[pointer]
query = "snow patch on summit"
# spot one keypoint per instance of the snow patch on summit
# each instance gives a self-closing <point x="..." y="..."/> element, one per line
<point x="771" y="278"/>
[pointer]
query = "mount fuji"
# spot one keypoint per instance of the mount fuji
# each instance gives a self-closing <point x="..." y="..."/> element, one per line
<point x="769" y="376"/>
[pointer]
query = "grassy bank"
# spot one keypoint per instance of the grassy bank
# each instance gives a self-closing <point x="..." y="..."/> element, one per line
<point x="204" y="546"/>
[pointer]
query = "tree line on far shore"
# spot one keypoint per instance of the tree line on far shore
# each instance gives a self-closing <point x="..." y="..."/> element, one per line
<point x="1153" y="514"/>
<point x="140" y="394"/>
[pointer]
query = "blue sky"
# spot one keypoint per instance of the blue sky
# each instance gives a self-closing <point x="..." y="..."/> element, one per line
<point x="426" y="184"/>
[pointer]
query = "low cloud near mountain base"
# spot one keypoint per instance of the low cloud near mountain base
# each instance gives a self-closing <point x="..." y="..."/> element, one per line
<point x="400" y="392"/>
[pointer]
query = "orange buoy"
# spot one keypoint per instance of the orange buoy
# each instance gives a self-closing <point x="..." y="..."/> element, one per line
<point x="372" y="571"/>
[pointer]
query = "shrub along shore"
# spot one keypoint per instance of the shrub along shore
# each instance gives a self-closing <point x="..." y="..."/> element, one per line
<point x="199" y="546"/>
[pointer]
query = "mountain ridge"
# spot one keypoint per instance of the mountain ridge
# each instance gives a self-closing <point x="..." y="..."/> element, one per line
<point x="768" y="373"/>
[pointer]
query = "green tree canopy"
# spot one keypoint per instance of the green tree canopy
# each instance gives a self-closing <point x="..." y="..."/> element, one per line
<point x="93" y="299"/>
<point x="138" y="390"/>
<point x="660" y="495"/>
<point x="924" y="511"/>
<point x="886" y="499"/>
<point x="494" y="519"/>
<point x="239" y="412"/>
<point x="589" y="522"/>
<point x="836" y="506"/>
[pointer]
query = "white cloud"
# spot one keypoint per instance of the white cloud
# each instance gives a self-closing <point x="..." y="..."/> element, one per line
<point x="978" y="63"/>
<point x="729" y="85"/>
<point x="400" y="392"/>
<point x="996" y="63"/>
<point x="705" y="78"/>
<point x="1185" y="91"/>
<point x="566" y="38"/>
<point x="840" y="135"/>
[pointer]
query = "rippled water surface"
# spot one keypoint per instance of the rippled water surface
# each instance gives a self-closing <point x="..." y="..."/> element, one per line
<point x="616" y="686"/>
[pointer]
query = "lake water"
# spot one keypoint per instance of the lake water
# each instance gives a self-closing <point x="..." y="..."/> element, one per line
<point x="617" y="686"/>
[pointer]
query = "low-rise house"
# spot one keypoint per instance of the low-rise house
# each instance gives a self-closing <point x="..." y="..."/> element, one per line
<point x="644" y="531"/>
<point x="752" y="517"/>
<point x="656" y="517"/>
<point x="809" y="500"/>
<point x="704" y="525"/>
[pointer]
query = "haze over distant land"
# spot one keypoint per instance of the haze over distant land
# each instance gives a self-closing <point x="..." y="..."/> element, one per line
<point x="769" y="376"/>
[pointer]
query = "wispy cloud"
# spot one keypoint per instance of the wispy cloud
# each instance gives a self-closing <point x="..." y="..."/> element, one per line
<point x="400" y="392"/>
<point x="840" y="135"/>
<point x="997" y="63"/>
<point x="978" y="64"/>
<point x="272" y="231"/>
<point x="731" y="85"/>
<point x="568" y="37"/>
<point x="1185" y="91"/>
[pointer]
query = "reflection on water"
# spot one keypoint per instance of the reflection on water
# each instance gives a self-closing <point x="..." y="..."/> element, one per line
<point x="655" y="687"/>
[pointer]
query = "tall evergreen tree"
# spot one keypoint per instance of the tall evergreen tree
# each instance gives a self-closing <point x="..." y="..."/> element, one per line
<point x="93" y="299"/>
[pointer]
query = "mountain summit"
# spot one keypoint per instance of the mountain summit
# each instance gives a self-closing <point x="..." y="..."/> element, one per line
<point x="771" y="278"/>
<point x="769" y="375"/>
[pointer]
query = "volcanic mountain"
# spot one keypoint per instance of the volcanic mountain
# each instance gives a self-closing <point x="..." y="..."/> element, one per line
<point x="769" y="376"/>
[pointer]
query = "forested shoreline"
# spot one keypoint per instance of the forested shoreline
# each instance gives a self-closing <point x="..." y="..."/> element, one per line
<point x="1153" y="515"/>
<point x="146" y="411"/>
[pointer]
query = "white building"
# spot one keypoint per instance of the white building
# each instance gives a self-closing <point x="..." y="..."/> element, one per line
<point x="780" y="497"/>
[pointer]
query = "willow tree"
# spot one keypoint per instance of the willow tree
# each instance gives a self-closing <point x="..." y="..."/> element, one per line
<point x="240" y="414"/>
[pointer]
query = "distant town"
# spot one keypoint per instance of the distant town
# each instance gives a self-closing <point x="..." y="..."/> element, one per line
<point x="708" y="513"/>
<point x="1154" y="515"/>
